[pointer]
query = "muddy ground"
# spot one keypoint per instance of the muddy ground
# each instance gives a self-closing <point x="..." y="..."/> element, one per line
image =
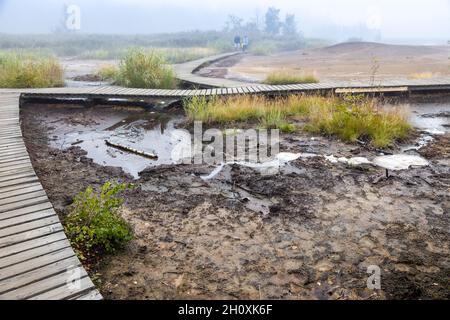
<point x="309" y="232"/>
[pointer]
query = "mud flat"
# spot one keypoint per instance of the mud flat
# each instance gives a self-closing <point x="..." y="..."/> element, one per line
<point x="358" y="62"/>
<point x="309" y="231"/>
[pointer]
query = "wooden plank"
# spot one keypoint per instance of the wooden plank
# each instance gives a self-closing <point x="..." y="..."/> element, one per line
<point x="93" y="295"/>
<point x="62" y="293"/>
<point x="12" y="177"/>
<point x="19" y="181"/>
<point x="40" y="274"/>
<point x="28" y="226"/>
<point x="12" y="151"/>
<point x="30" y="235"/>
<point x="25" y="246"/>
<point x="14" y="157"/>
<point x="25" y="211"/>
<point x="23" y="204"/>
<point x="17" y="187"/>
<point x="15" y="168"/>
<point x="4" y="146"/>
<point x="20" y="191"/>
<point x="7" y="223"/>
<point x="17" y="161"/>
<point x="66" y="268"/>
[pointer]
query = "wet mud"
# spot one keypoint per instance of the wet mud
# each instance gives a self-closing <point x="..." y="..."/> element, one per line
<point x="308" y="232"/>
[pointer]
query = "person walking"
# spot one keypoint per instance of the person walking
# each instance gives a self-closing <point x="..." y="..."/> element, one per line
<point x="245" y="44"/>
<point x="237" y="42"/>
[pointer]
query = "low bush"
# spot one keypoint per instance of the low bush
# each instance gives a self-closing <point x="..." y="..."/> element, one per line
<point x="94" y="224"/>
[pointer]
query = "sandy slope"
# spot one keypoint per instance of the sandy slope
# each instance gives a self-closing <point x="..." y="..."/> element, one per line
<point x="352" y="61"/>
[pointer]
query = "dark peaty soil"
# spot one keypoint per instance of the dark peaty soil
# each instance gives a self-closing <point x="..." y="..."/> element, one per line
<point x="323" y="225"/>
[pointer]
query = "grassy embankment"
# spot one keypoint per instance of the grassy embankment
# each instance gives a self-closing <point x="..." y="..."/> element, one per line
<point x="349" y="119"/>
<point x="29" y="71"/>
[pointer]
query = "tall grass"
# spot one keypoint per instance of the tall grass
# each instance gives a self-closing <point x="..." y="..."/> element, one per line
<point x="172" y="55"/>
<point x="108" y="72"/>
<point x="30" y="71"/>
<point x="140" y="69"/>
<point x="349" y="119"/>
<point x="283" y="77"/>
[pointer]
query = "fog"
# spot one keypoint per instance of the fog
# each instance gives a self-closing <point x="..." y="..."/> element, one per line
<point x="404" y="20"/>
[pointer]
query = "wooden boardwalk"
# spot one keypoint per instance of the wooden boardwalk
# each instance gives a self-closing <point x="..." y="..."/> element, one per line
<point x="36" y="260"/>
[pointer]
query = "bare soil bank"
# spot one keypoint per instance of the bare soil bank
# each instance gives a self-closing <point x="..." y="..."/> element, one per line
<point x="324" y="224"/>
<point x="344" y="62"/>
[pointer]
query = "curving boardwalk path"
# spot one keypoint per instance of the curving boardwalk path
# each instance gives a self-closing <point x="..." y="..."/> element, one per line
<point x="36" y="260"/>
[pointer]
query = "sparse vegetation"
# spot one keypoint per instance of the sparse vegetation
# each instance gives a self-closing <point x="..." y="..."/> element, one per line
<point x="140" y="69"/>
<point x="421" y="75"/>
<point x="108" y="72"/>
<point x="349" y="118"/>
<point x="29" y="71"/>
<point x="94" y="224"/>
<point x="178" y="47"/>
<point x="283" y="77"/>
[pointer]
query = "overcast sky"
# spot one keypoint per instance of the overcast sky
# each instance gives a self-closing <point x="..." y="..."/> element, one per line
<point x="394" y="18"/>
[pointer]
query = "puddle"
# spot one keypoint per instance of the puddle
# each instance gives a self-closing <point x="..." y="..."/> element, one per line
<point x="269" y="168"/>
<point x="400" y="162"/>
<point x="433" y="118"/>
<point x="146" y="132"/>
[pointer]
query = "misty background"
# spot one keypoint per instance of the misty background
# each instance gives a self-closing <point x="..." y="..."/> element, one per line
<point x="406" y="21"/>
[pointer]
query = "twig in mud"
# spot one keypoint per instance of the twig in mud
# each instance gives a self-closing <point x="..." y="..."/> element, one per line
<point x="77" y="142"/>
<point x="131" y="150"/>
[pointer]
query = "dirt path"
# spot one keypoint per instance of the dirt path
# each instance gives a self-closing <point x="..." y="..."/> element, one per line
<point x="323" y="225"/>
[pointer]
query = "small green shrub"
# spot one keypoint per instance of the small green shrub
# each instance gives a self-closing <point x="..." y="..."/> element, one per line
<point x="94" y="223"/>
<point x="140" y="69"/>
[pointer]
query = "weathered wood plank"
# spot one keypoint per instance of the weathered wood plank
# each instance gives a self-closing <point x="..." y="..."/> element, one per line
<point x="69" y="269"/>
<point x="17" y="161"/>
<point x="18" y="181"/>
<point x="66" y="292"/>
<point x="28" y="226"/>
<point x="30" y="235"/>
<point x="17" y="187"/>
<point x="19" y="192"/>
<point x="93" y="295"/>
<point x="27" y="278"/>
<point x="23" y="204"/>
<point x="15" y="221"/>
<point x="25" y="246"/>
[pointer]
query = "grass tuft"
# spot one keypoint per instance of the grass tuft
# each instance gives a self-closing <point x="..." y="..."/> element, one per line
<point x="141" y="69"/>
<point x="349" y="118"/>
<point x="282" y="78"/>
<point x="108" y="72"/>
<point x="30" y="71"/>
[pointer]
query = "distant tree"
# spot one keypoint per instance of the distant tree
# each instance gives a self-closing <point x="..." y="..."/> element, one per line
<point x="290" y="25"/>
<point x="234" y="23"/>
<point x="273" y="23"/>
<point x="250" y="28"/>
